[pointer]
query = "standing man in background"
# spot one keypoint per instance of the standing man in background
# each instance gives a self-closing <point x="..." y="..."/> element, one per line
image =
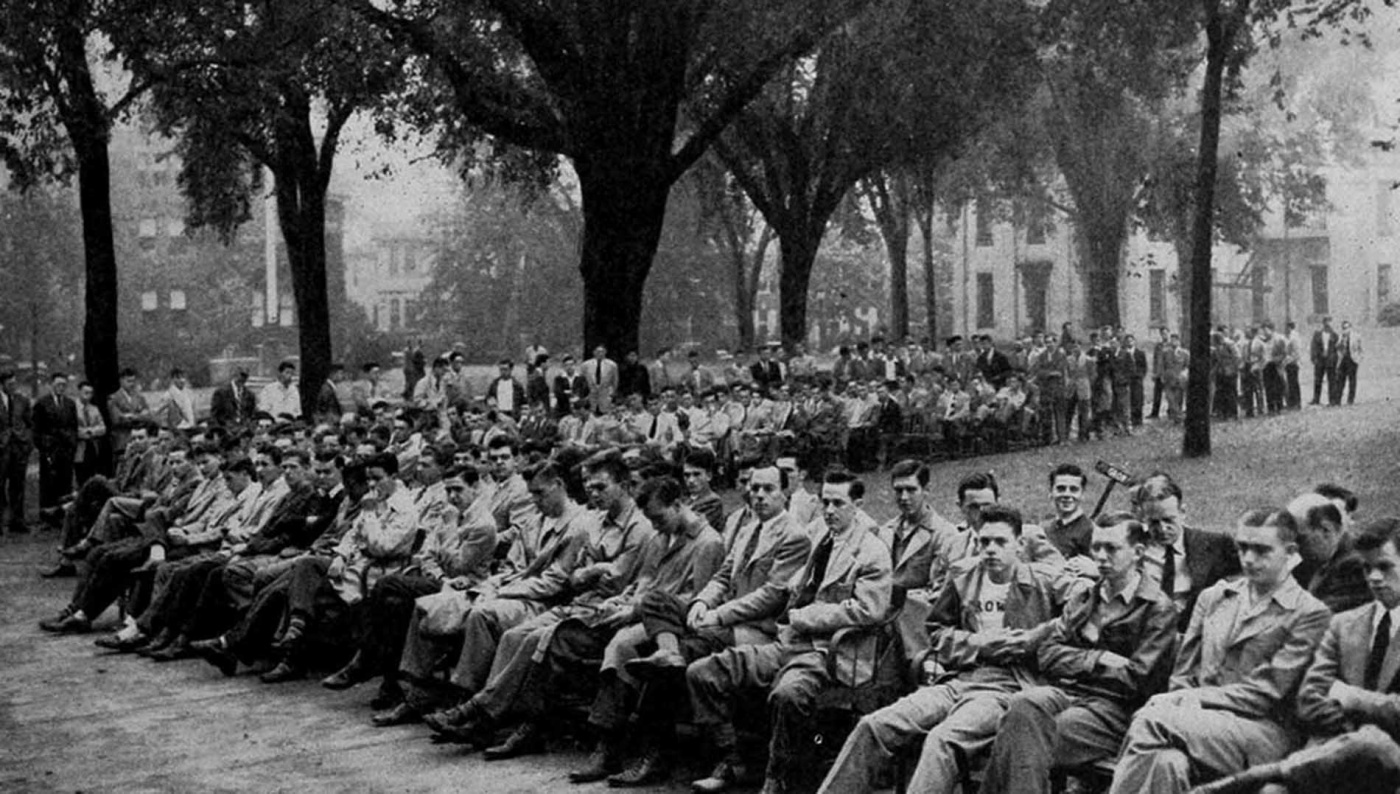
<point x="56" y="435"/>
<point x="16" y="441"/>
<point x="601" y="373"/>
<point x="1324" y="360"/>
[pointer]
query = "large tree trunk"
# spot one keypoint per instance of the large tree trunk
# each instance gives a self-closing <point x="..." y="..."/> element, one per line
<point x="889" y="197"/>
<point x="1101" y="255"/>
<point x="301" y="214"/>
<point x="100" y="350"/>
<point x="799" y="254"/>
<point x="1220" y="34"/>
<point x="930" y="277"/>
<point x="624" y="207"/>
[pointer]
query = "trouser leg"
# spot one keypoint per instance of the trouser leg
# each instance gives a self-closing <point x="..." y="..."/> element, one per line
<point x="513" y="666"/>
<point x="486" y="625"/>
<point x="969" y="728"/>
<point x="388" y="611"/>
<point x="880" y="735"/>
<point x="790" y="703"/>
<point x="308" y="576"/>
<point x="253" y="634"/>
<point x="1295" y="390"/>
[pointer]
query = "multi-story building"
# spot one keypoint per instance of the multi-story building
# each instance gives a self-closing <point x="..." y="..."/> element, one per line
<point x="387" y="278"/>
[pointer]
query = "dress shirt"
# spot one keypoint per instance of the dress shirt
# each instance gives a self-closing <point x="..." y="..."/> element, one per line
<point x="1181" y="584"/>
<point x="277" y="399"/>
<point x="1376" y="616"/>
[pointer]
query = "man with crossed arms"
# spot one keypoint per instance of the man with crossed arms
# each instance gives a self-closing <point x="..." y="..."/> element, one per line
<point x="1110" y="649"/>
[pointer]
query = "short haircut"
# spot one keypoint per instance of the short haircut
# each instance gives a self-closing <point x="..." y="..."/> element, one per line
<point x="1340" y="493"/>
<point x="545" y="473"/>
<point x="58" y="376"/>
<point x="856" y="488"/>
<point x="241" y="465"/>
<point x="1154" y="488"/>
<point x="1313" y="509"/>
<point x="387" y="461"/>
<point x="286" y="365"/>
<point x="911" y="468"/>
<point x="84" y="383"/>
<point x="503" y="441"/>
<point x="1069" y="470"/>
<point x="1137" y="532"/>
<point x="300" y="453"/>
<point x="660" y="492"/>
<point x="784" y="481"/>
<point x="1375" y="534"/>
<point x="470" y="474"/>
<point x="608" y="462"/>
<point x="978" y="481"/>
<point x="127" y="372"/>
<point x="700" y="458"/>
<point x="176" y="372"/>
<point x="438" y="455"/>
<point x="205" y="450"/>
<point x="1281" y="520"/>
<point x="270" y="451"/>
<point x="1003" y="514"/>
<point x="332" y="457"/>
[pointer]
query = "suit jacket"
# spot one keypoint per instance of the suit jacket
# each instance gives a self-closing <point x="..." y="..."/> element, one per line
<point x="1343" y="656"/>
<point x="1145" y="635"/>
<point x="913" y="570"/>
<point x="752" y="588"/>
<point x="1340" y="582"/>
<point x="123" y="408"/>
<point x="328" y="408"/>
<point x="1324" y="348"/>
<point x="633" y="379"/>
<point x="766" y="376"/>
<point x="567" y="390"/>
<point x="994" y="367"/>
<point x="17" y="428"/>
<point x="854" y="591"/>
<point x="545" y="553"/>
<point x="56" y="425"/>
<point x="517" y="393"/>
<point x="677" y="568"/>
<point x="1349" y="348"/>
<point x="1249" y="665"/>
<point x="225" y="409"/>
<point x="602" y="382"/>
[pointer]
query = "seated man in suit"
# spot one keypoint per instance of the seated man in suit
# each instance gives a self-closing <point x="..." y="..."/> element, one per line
<point x="1108" y="652"/>
<point x="985" y="627"/>
<point x="846" y="583"/>
<point x="1331" y="569"/>
<point x="1349" y="701"/>
<point x="738" y="606"/>
<point x="1230" y="704"/>
<point x="1184" y="560"/>
<point x="915" y="537"/>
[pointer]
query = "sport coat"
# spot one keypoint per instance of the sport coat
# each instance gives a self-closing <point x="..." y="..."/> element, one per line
<point x="1342" y="657"/>
<point x="567" y="390"/>
<point x="1145" y="635"/>
<point x="753" y="588"/>
<point x="1324" y="347"/>
<point x="225" y="409"/>
<point x="17" y="424"/>
<point x="56" y="424"/>
<point x="544" y="554"/>
<point x="602" y="382"/>
<point x="1340" y="582"/>
<point x="913" y="571"/>
<point x="854" y="590"/>
<point x="1249" y="664"/>
<point x="1210" y="557"/>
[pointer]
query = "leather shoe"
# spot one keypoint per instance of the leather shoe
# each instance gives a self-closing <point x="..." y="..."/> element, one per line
<point x="62" y="570"/>
<point x="216" y="652"/>
<point x="161" y="641"/>
<point x="67" y="624"/>
<point x="114" y="642"/>
<point x="661" y="661"/>
<point x="344" y="678"/>
<point x="284" y="671"/>
<point x="648" y="770"/>
<point x="602" y="762"/>
<point x="402" y="714"/>
<point x="175" y="651"/>
<point x="726" y="775"/>
<point x="388" y="696"/>
<point x="524" y="740"/>
<point x="455" y="717"/>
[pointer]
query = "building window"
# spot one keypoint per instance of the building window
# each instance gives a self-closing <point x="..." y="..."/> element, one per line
<point x="410" y="313"/>
<point x="395" y="314"/>
<point x="146" y="227"/>
<point x="986" y="301"/>
<point x="984" y="222"/>
<point x="410" y="261"/>
<point x="177" y="300"/>
<point x="149" y="301"/>
<point x="1037" y="223"/>
<point x="1319" y="289"/>
<point x="1383" y="224"/>
<point x="174" y="227"/>
<point x="1382" y="285"/>
<point x="286" y="311"/>
<point x="1157" y="297"/>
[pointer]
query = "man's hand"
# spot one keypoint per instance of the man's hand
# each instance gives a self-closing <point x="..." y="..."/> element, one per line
<point x="1112" y="661"/>
<point x="1330" y="717"/>
<point x="337" y="567"/>
<point x="458" y="583"/>
<point x="697" y="613"/>
<point x="617" y="618"/>
<point x="1082" y="566"/>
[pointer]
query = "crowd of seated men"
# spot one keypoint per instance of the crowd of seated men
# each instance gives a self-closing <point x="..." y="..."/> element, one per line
<point x="479" y="582"/>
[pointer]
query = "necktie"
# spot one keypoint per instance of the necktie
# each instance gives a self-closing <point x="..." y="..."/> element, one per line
<point x="1169" y="571"/>
<point x="820" y="557"/>
<point x="1378" y="649"/>
<point x="599" y="369"/>
<point x="651" y="434"/>
<point x="901" y="540"/>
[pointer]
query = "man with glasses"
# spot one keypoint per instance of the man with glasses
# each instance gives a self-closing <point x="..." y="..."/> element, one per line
<point x="1110" y="649"/>
<point x="608" y="564"/>
<point x="1232" y="694"/>
<point x="1184" y="560"/>
<point x="985" y="627"/>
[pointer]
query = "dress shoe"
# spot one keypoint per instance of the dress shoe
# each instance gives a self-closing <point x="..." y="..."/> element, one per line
<point x="455" y="717"/>
<point x="649" y="770"/>
<point x="77" y="551"/>
<point x="605" y="760"/>
<point x="62" y="570"/>
<point x="120" y="644"/>
<point x="284" y="671"/>
<point x="73" y="623"/>
<point x="216" y="652"/>
<point x="726" y="775"/>
<point x="402" y="714"/>
<point x="160" y="643"/>
<point x="175" y="651"/>
<point x="346" y="677"/>
<point x="388" y="696"/>
<point x="291" y="636"/>
<point x="661" y="661"/>
<point x="524" y="740"/>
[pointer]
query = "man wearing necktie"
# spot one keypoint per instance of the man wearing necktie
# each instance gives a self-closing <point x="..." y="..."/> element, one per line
<point x="56" y="435"/>
<point x="1348" y="357"/>
<point x="1349" y="703"/>
<point x="601" y="373"/>
<point x="89" y="455"/>
<point x="16" y="442"/>
<point x="1183" y="559"/>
